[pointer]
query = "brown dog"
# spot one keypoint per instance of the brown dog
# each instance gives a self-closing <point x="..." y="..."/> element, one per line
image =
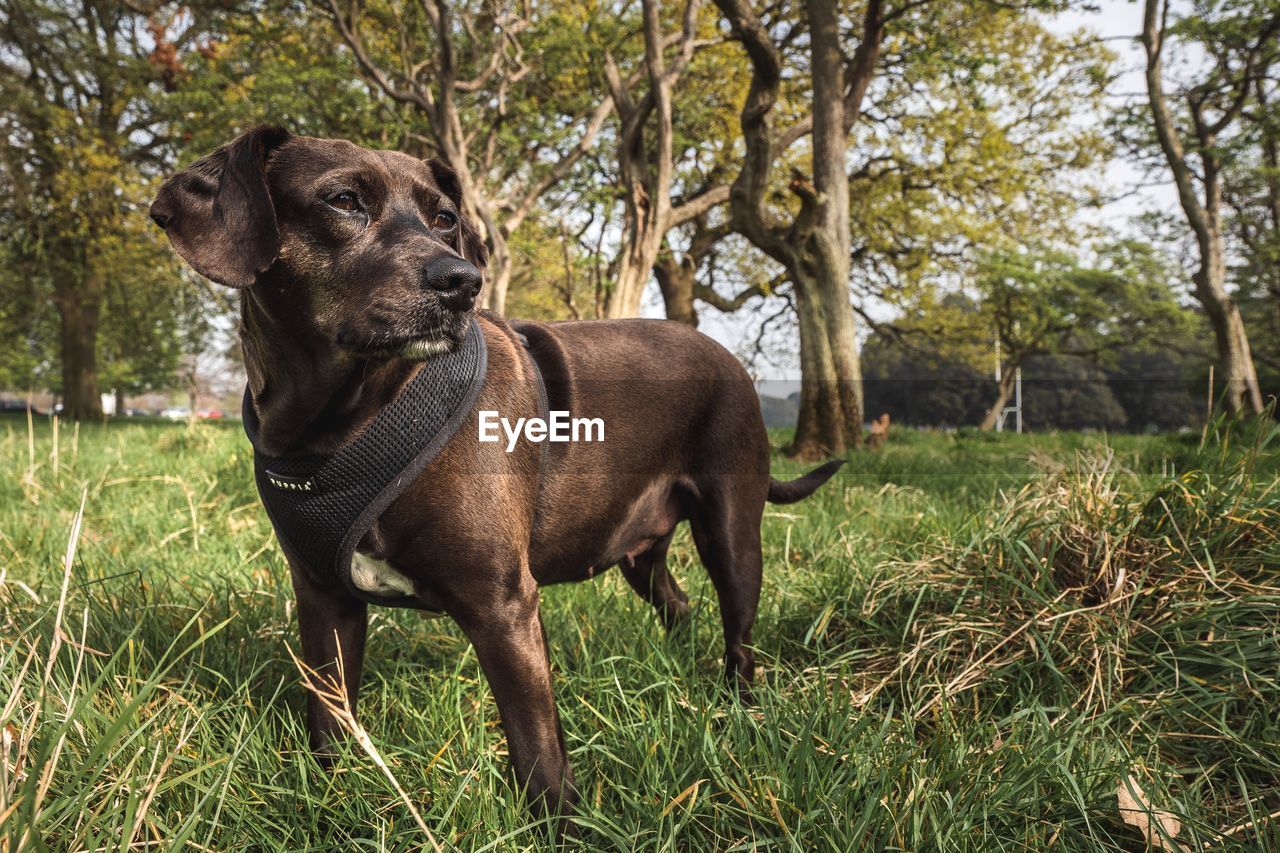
<point x="356" y="265"/>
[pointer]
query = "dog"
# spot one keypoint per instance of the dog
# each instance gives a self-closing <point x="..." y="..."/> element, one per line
<point x="355" y="267"/>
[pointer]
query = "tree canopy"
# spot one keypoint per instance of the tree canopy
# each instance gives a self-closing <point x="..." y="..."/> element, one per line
<point x="820" y="173"/>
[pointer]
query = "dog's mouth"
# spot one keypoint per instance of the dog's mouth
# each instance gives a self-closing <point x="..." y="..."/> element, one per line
<point x="414" y="347"/>
<point x="424" y="347"/>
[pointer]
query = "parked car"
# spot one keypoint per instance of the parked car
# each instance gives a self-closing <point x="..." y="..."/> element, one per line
<point x="13" y="406"/>
<point x="210" y="414"/>
<point x="176" y="413"/>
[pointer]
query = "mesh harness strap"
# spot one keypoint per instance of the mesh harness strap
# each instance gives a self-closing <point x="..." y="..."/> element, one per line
<point x="321" y="506"/>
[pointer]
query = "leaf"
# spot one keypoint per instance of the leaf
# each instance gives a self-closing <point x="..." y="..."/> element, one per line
<point x="1158" y="827"/>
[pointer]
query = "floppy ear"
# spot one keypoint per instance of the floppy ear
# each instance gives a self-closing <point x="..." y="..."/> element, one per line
<point x="470" y="243"/>
<point x="218" y="212"/>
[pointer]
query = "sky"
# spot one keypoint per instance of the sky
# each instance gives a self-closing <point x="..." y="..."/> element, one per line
<point x="1118" y="23"/>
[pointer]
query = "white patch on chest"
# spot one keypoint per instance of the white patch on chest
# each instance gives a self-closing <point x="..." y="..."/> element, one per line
<point x="377" y="577"/>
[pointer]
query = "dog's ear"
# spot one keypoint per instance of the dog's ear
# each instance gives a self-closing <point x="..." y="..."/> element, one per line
<point x="218" y="211"/>
<point x="470" y="243"/>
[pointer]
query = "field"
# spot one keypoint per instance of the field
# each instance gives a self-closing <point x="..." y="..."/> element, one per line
<point x="967" y="642"/>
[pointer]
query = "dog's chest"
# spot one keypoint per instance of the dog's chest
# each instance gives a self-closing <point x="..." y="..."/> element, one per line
<point x="377" y="577"/>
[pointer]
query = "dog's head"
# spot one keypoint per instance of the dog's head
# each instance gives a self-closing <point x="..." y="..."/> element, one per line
<point x="370" y="248"/>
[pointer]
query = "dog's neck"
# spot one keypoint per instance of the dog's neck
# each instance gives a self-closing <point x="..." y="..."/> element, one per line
<point x="309" y="394"/>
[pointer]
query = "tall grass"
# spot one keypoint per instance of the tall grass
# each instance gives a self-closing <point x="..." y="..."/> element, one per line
<point x="1028" y="642"/>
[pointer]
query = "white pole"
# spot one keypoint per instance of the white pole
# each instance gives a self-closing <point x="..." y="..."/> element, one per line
<point x="1017" y="397"/>
<point x="1000" y="415"/>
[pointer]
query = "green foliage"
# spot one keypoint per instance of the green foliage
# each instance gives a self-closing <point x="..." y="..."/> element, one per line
<point x="83" y="106"/>
<point x="972" y="143"/>
<point x="1045" y="302"/>
<point x="271" y="63"/>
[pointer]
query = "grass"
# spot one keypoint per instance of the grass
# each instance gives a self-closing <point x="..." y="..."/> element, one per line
<point x="968" y="643"/>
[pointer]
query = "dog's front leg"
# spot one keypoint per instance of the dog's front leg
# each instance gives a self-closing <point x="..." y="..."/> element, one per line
<point x="332" y="624"/>
<point x="511" y="646"/>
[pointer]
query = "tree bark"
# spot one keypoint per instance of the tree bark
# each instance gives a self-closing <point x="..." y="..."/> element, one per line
<point x="814" y="247"/>
<point x="497" y="273"/>
<point x="1004" y="391"/>
<point x="823" y="426"/>
<point x="1271" y="158"/>
<point x="1241" y="393"/>
<point x="78" y="296"/>
<point x="676" y="282"/>
<point x="645" y="171"/>
<point x="837" y="397"/>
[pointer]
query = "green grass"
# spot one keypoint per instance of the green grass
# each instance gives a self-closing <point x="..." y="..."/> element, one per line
<point x="968" y="643"/>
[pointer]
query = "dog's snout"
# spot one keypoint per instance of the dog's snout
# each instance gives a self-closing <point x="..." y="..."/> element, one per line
<point x="452" y="275"/>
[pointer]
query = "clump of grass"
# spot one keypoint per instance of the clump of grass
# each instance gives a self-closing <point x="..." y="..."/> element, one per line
<point x="1082" y="533"/>
<point x="1145" y="609"/>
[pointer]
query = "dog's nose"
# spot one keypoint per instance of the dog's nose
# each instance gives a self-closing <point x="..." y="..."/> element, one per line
<point x="452" y="275"/>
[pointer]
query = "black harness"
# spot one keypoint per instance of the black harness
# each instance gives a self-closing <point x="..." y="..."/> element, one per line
<point x="322" y="506"/>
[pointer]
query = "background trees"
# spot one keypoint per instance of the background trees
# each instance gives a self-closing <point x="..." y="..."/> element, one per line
<point x="1241" y="42"/>
<point x="795" y="176"/>
<point x="1045" y="307"/>
<point x="477" y="77"/>
<point x="79" y="89"/>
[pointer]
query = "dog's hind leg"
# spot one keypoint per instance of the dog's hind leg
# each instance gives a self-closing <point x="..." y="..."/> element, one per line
<point x="332" y="625"/>
<point x="648" y="575"/>
<point x="726" y="530"/>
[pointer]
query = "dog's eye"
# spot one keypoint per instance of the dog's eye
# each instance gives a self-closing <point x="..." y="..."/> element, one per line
<point x="345" y="201"/>
<point x="444" y="221"/>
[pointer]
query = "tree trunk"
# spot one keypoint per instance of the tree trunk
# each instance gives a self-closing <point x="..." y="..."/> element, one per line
<point x="815" y="436"/>
<point x="1241" y="393"/>
<point x="648" y="184"/>
<point x="814" y="246"/>
<point x="1271" y="156"/>
<point x="638" y="259"/>
<point x="830" y="418"/>
<point x="497" y="276"/>
<point x="676" y="281"/>
<point x="79" y="310"/>
<point x="831" y="412"/>
<point x="1003" y="393"/>
<point x="193" y="395"/>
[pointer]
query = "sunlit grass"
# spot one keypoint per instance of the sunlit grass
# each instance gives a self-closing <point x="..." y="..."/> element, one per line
<point x="968" y="642"/>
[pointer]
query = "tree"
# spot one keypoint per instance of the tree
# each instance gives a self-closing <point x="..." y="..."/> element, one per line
<point x="511" y="127"/>
<point x="1160" y="384"/>
<point x="78" y="86"/>
<point x="688" y="277"/>
<point x="647" y="172"/>
<point x="954" y="125"/>
<point x="813" y="247"/>
<point x="1241" y="41"/>
<point x="1251" y="192"/>
<point x="1044" y="303"/>
<point x="922" y="386"/>
<point x="267" y="64"/>
<point x="1069" y="392"/>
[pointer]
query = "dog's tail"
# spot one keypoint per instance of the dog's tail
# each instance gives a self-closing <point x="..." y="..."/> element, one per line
<point x="801" y="487"/>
